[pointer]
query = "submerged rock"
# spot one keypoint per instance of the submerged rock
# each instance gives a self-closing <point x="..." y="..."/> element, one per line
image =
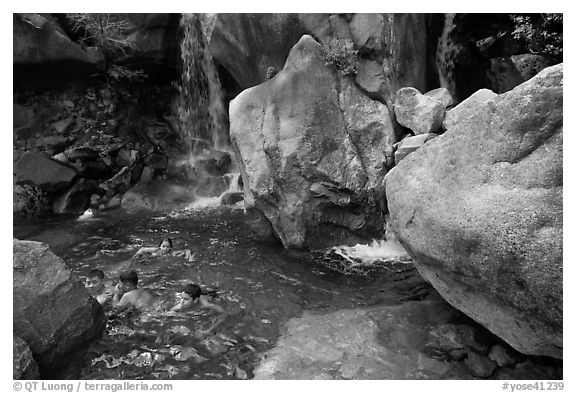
<point x="479" y="209"/>
<point x="312" y="151"/>
<point x="53" y="312"/>
<point x="377" y="343"/>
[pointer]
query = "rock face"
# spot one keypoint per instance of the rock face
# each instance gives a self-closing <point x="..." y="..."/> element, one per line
<point x="395" y="46"/>
<point x="53" y="312"/>
<point x="479" y="209"/>
<point x="39" y="47"/>
<point x="312" y="151"/>
<point x="23" y="364"/>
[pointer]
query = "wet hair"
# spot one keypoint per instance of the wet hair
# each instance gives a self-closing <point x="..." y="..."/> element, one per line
<point x="166" y="239"/>
<point x="129" y="276"/>
<point x="193" y="290"/>
<point x="96" y="273"/>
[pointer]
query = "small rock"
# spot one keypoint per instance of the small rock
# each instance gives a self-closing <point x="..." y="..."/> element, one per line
<point x="147" y="173"/>
<point x="479" y="365"/>
<point x="504" y="357"/>
<point x="82" y="153"/>
<point x="441" y="94"/>
<point x="411" y="144"/>
<point x="62" y="125"/>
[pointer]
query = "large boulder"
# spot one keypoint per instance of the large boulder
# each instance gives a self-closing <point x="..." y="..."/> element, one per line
<point x="44" y="53"/>
<point x="53" y="312"/>
<point x="23" y="364"/>
<point x="38" y="170"/>
<point x="313" y="151"/>
<point x="479" y="209"/>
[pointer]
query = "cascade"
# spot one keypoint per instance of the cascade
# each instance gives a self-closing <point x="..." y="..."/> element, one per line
<point x="202" y="117"/>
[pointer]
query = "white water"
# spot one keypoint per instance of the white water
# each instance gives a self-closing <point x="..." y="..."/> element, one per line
<point x="378" y="250"/>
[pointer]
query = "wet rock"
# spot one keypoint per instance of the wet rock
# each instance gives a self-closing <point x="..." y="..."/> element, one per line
<point x="54" y="144"/>
<point x="231" y="198"/>
<point x="156" y="195"/>
<point x="504" y="357"/>
<point x="23" y="364"/>
<point x="420" y="113"/>
<point x="410" y="144"/>
<point x="281" y="164"/>
<point x="479" y="365"/>
<point x="212" y="186"/>
<point x="120" y="182"/>
<point x="155" y="160"/>
<point x="62" y="125"/>
<point x="76" y="199"/>
<point x="214" y="163"/>
<point x="377" y="343"/>
<point x="29" y="201"/>
<point x="529" y="370"/>
<point x="467" y="108"/>
<point x="38" y="170"/>
<point x="82" y="153"/>
<point x="53" y="312"/>
<point x="147" y="173"/>
<point x="480" y="204"/>
<point x="126" y="157"/>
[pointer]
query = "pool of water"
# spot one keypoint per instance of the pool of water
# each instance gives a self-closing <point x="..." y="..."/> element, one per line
<point x="260" y="285"/>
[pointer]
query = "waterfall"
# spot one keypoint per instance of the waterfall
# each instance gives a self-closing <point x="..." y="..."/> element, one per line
<point x="200" y="108"/>
<point x="202" y="117"/>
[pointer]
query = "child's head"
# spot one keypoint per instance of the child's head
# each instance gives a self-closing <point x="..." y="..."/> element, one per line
<point x="165" y="245"/>
<point x="129" y="279"/>
<point x="95" y="282"/>
<point x="192" y="290"/>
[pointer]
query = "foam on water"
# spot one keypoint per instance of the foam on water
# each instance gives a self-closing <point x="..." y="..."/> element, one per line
<point x="378" y="250"/>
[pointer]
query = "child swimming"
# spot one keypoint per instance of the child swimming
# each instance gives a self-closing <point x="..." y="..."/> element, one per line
<point x="97" y="288"/>
<point x="127" y="293"/>
<point x="164" y="248"/>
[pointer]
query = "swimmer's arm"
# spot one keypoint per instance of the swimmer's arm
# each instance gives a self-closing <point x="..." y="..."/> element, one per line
<point x="145" y="250"/>
<point x="119" y="300"/>
<point x="177" y="307"/>
<point x="206" y="304"/>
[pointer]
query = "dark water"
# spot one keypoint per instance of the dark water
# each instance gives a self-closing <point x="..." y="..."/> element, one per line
<point x="260" y="285"/>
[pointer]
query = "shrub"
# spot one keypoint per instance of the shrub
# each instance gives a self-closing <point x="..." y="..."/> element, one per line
<point x="103" y="30"/>
<point x="341" y="53"/>
<point x="541" y="33"/>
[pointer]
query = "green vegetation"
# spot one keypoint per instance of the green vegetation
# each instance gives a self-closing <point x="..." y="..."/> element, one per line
<point x="341" y="53"/>
<point x="541" y="33"/>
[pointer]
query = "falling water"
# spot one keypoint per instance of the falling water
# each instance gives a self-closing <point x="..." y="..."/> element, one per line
<point x="200" y="107"/>
<point x="210" y="162"/>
